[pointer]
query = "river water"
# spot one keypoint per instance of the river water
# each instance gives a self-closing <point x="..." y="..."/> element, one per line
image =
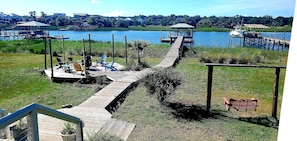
<point x="205" y="39"/>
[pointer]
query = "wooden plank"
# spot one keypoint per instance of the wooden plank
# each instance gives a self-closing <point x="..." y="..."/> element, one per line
<point x="242" y="65"/>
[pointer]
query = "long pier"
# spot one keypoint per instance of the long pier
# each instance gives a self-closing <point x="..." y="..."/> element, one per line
<point x="95" y="112"/>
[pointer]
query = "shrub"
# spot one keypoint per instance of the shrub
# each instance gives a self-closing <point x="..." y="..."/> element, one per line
<point x="163" y="83"/>
<point x="103" y="137"/>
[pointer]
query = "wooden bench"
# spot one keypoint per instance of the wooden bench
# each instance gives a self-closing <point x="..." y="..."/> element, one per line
<point x="244" y="104"/>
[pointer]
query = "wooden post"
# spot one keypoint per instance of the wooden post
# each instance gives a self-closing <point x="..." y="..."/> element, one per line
<point x="63" y="48"/>
<point x="32" y="122"/>
<point x="126" y="48"/>
<point x="84" y="57"/>
<point x="112" y="47"/>
<point x="90" y="49"/>
<point x="209" y="86"/>
<point x="275" y="92"/>
<point x="44" y="53"/>
<point x="51" y="59"/>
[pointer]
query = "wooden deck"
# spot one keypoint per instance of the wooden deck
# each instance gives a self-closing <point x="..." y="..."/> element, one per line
<point x="93" y="111"/>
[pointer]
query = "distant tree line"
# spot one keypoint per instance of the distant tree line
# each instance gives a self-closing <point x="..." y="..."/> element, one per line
<point x="97" y="21"/>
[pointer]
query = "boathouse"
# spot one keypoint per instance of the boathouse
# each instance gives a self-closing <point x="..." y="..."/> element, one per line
<point x="180" y="29"/>
<point x="32" y="30"/>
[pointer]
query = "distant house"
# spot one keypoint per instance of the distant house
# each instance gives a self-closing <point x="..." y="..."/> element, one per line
<point x="80" y="15"/>
<point x="127" y="19"/>
<point x="141" y="19"/>
<point x="60" y="14"/>
<point x="7" y="18"/>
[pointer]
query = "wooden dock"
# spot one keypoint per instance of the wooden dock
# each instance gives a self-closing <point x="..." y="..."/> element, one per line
<point x="255" y="39"/>
<point x="94" y="111"/>
<point x="273" y="42"/>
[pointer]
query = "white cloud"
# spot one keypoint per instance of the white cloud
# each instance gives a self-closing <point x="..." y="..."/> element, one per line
<point x="95" y="2"/>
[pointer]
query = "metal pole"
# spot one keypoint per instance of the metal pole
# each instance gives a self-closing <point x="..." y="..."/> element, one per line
<point x="209" y="86"/>
<point x="275" y="93"/>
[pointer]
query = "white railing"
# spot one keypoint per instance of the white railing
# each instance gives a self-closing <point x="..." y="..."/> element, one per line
<point x="31" y="112"/>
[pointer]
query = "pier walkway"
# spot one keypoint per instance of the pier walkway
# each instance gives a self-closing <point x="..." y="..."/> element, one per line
<point x="268" y="42"/>
<point x="93" y="112"/>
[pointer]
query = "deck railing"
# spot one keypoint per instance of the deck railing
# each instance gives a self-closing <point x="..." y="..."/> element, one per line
<point x="31" y="112"/>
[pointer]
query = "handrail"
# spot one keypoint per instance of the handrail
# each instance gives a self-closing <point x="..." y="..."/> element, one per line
<point x="32" y="110"/>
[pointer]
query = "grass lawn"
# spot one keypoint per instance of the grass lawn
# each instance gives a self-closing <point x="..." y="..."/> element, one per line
<point x="186" y="119"/>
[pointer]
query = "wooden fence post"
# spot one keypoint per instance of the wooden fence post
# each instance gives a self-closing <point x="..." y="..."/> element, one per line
<point x="209" y="86"/>
<point x="275" y="92"/>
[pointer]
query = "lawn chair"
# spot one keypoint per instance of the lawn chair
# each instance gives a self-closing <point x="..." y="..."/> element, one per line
<point x="111" y="67"/>
<point x="103" y="60"/>
<point x="245" y="104"/>
<point x="77" y="67"/>
<point x="60" y="62"/>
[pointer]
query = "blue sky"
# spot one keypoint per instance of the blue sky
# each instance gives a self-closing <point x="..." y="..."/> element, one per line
<point x="152" y="7"/>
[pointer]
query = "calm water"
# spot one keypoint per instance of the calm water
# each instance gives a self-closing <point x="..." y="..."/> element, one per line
<point x="206" y="39"/>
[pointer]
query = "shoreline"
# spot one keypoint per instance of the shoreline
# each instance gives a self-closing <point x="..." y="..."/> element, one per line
<point x="165" y="28"/>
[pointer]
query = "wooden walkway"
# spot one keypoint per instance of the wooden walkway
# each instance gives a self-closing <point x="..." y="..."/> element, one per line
<point x="93" y="111"/>
<point x="268" y="42"/>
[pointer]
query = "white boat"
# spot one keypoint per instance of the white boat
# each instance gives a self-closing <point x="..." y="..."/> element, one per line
<point x="237" y="32"/>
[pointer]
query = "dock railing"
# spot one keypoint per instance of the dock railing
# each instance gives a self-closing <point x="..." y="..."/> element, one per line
<point x="31" y="112"/>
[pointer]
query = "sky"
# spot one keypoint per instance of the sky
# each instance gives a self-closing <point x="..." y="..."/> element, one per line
<point x="230" y="8"/>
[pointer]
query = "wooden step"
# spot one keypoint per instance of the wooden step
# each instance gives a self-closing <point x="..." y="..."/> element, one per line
<point x="118" y="128"/>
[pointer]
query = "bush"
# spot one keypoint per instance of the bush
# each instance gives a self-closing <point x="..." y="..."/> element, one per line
<point x="103" y="137"/>
<point x="163" y="83"/>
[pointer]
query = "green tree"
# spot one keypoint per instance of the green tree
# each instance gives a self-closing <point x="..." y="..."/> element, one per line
<point x="91" y="20"/>
<point x="60" y="21"/>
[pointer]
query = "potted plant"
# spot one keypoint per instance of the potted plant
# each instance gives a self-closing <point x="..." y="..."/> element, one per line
<point x="68" y="133"/>
<point x="20" y="131"/>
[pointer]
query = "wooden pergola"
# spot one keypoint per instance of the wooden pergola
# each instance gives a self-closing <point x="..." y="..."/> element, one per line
<point x="276" y="82"/>
<point x="183" y="27"/>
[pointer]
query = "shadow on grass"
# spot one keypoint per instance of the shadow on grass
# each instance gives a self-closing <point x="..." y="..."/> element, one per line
<point x="191" y="112"/>
<point x="199" y="113"/>
<point x="264" y="121"/>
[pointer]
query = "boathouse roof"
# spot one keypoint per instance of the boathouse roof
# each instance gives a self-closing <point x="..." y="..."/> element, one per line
<point x="33" y="24"/>
<point x="182" y="26"/>
<point x="259" y="26"/>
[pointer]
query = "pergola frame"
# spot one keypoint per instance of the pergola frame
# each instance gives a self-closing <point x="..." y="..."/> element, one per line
<point x="276" y="82"/>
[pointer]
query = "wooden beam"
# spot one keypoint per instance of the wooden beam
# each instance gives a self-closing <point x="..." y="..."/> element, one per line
<point x="209" y="87"/>
<point x="242" y="65"/>
<point x="275" y="93"/>
<point x="45" y="53"/>
<point x="51" y="59"/>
